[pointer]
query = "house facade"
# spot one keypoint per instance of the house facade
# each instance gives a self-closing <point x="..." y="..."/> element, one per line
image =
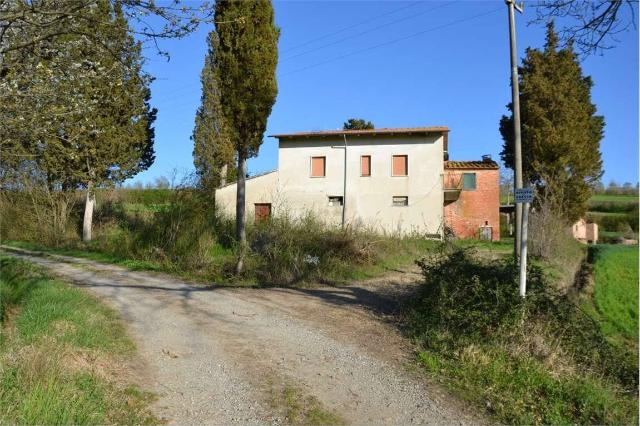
<point x="389" y="180"/>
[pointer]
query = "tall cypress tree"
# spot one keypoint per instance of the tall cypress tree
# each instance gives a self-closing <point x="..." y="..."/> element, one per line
<point x="213" y="152"/>
<point x="561" y="132"/>
<point x="247" y="57"/>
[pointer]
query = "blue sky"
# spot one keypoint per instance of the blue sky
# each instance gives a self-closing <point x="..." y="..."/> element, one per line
<point x="334" y="66"/>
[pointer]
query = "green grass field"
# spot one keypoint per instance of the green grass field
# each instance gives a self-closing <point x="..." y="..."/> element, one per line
<point x="614" y="198"/>
<point x="616" y="291"/>
<point x="60" y="353"/>
<point x="613" y="214"/>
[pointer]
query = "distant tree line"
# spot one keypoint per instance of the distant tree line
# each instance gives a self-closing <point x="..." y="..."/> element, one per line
<point x="614" y="188"/>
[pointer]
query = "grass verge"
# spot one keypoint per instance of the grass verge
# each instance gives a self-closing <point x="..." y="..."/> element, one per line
<point x="60" y="351"/>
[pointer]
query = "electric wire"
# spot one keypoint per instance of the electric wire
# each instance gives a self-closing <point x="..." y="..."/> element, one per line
<point x="415" y="15"/>
<point x="322" y="37"/>
<point x="367" y="49"/>
<point x="386" y="43"/>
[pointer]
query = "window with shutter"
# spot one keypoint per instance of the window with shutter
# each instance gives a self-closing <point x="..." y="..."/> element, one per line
<point x="400" y="166"/>
<point x="365" y="165"/>
<point x="318" y="166"/>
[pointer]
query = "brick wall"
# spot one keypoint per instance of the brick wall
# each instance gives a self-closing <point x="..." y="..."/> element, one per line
<point x="476" y="207"/>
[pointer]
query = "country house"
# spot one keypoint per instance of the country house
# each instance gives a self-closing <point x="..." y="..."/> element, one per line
<point x="395" y="181"/>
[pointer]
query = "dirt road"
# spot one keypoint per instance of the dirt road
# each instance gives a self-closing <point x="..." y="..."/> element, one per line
<point x="226" y="355"/>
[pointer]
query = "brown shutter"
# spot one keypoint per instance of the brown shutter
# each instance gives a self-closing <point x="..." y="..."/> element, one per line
<point x="400" y="165"/>
<point x="365" y="165"/>
<point x="262" y="211"/>
<point x="318" y="166"/>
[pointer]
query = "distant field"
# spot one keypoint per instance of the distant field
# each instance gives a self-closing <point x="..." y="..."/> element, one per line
<point x="597" y="198"/>
<point x="614" y="198"/>
<point x="606" y="214"/>
<point x="616" y="290"/>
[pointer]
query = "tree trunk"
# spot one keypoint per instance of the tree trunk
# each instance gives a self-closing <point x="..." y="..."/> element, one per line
<point x="223" y="176"/>
<point x="240" y="211"/>
<point x="90" y="202"/>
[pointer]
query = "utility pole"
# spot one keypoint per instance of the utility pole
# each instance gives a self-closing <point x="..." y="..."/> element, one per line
<point x="515" y="101"/>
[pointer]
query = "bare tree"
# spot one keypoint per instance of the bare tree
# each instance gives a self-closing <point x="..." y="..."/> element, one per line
<point x="41" y="21"/>
<point x="591" y="26"/>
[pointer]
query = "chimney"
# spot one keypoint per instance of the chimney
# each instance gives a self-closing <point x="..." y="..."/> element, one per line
<point x="486" y="158"/>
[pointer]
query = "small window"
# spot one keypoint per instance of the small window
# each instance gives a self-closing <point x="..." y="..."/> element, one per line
<point x="335" y="200"/>
<point x="262" y="211"/>
<point x="318" y="166"/>
<point x="365" y="165"/>
<point x="468" y="181"/>
<point x="400" y="166"/>
<point x="400" y="201"/>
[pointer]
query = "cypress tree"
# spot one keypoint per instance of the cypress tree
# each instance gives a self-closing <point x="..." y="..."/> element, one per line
<point x="247" y="57"/>
<point x="213" y="152"/>
<point x="561" y="132"/>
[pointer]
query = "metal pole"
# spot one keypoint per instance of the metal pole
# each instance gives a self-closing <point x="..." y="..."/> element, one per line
<point x="515" y="100"/>
<point x="344" y="189"/>
<point x="523" y="250"/>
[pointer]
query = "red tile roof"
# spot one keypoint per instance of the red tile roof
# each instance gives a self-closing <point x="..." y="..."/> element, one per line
<point x="471" y="165"/>
<point x="368" y="132"/>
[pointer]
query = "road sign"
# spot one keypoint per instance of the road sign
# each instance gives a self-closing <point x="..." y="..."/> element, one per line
<point x="524" y="195"/>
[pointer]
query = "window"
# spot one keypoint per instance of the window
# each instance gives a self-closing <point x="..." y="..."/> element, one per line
<point x="365" y="165"/>
<point x="468" y="181"/>
<point x="400" y="166"/>
<point x="262" y="211"/>
<point x="335" y="200"/>
<point x="400" y="201"/>
<point x="318" y="166"/>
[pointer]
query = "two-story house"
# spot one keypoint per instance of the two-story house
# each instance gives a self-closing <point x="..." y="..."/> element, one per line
<point x="390" y="180"/>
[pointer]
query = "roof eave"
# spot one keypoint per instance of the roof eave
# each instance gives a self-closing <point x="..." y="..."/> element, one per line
<point x="307" y="135"/>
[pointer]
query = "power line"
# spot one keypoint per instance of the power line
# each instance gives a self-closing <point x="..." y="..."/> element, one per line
<point x="355" y="52"/>
<point x="366" y="32"/>
<point x="359" y="51"/>
<point x="322" y="37"/>
<point x="190" y="85"/>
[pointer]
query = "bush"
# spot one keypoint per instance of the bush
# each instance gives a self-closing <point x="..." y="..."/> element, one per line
<point x="469" y="309"/>
<point x="179" y="236"/>
<point x="185" y="234"/>
<point x="287" y="251"/>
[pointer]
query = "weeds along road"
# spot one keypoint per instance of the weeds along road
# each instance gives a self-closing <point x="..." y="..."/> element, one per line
<point x="261" y="356"/>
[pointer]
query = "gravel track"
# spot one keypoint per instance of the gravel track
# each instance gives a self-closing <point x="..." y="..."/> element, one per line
<point x="215" y="355"/>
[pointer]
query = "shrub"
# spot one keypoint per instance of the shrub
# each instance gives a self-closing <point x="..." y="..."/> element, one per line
<point x="468" y="314"/>
<point x="466" y="299"/>
<point x="286" y="251"/>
